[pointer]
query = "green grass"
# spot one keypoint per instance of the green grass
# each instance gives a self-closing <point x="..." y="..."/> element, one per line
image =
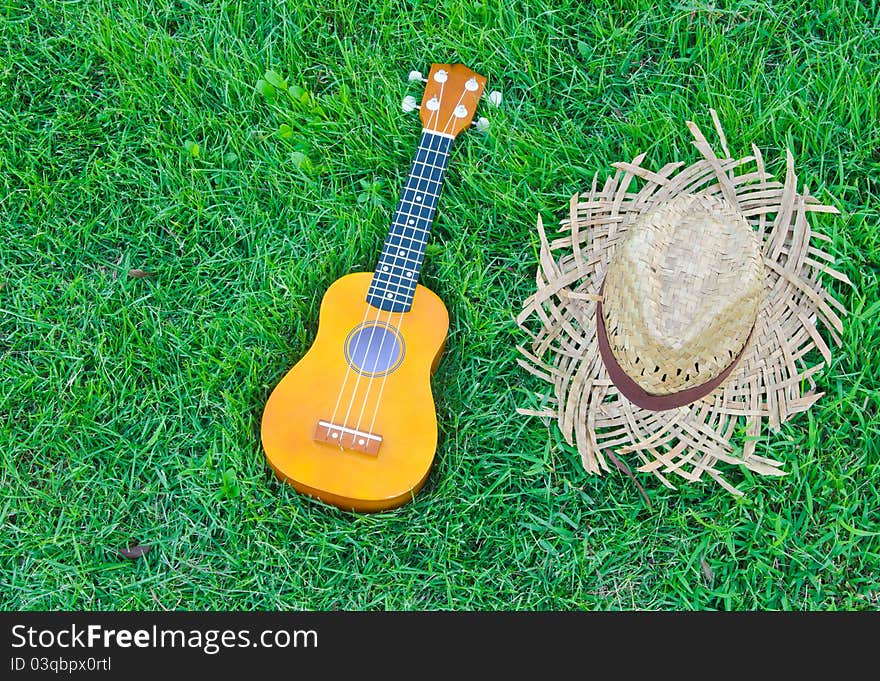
<point x="130" y="407"/>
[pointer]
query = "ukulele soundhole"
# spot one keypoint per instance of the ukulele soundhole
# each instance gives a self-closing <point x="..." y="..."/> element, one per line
<point x="374" y="349"/>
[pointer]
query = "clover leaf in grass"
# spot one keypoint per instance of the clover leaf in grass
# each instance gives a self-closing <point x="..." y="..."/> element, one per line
<point x="371" y="192"/>
<point x="298" y="94"/>
<point x="266" y="89"/>
<point x="229" y="487"/>
<point x="301" y="161"/>
<point x="270" y="84"/>
<point x="192" y="148"/>
<point x="275" y="79"/>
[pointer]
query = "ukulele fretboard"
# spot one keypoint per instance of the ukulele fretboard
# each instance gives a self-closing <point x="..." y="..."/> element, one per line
<point x="397" y="272"/>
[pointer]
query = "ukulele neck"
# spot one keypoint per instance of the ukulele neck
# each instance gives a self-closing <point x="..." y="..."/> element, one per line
<point x="397" y="272"/>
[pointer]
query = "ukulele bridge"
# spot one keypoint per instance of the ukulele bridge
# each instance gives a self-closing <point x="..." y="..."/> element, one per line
<point x="348" y="438"/>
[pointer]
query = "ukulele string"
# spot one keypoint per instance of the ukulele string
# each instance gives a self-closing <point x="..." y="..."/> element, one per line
<point x="351" y="402"/>
<point x="357" y="345"/>
<point x="434" y="117"/>
<point x="388" y="324"/>
<point x="348" y="370"/>
<point x="400" y="324"/>
<point x="396" y="329"/>
<point x="452" y="115"/>
<point x="360" y="374"/>
<point x="384" y="378"/>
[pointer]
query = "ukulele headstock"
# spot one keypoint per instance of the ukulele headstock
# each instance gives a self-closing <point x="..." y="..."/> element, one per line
<point x="452" y="92"/>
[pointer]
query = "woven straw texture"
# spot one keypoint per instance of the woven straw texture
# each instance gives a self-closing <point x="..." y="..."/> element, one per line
<point x="682" y="293"/>
<point x="775" y="376"/>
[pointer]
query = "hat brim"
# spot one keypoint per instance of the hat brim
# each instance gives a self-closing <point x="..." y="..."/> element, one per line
<point x="774" y="378"/>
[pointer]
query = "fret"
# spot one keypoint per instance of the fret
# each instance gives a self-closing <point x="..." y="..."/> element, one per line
<point x="414" y="230"/>
<point x="430" y="160"/>
<point x="417" y="199"/>
<point x="403" y="265"/>
<point x="396" y="296"/>
<point x="438" y="152"/>
<point x="424" y="185"/>
<point x="403" y="293"/>
<point x="415" y="239"/>
<point x="401" y="221"/>
<point x="398" y="268"/>
<point x="415" y="205"/>
<point x="393" y="248"/>
<point x="395" y="293"/>
<point x="405" y="220"/>
<point x="395" y="243"/>
<point x="431" y="183"/>
<point x="423" y="151"/>
<point x="412" y="226"/>
<point x="396" y="278"/>
<point x="404" y="243"/>
<point x="391" y="261"/>
<point x="399" y="261"/>
<point x="431" y="187"/>
<point x="399" y="302"/>
<point x="410" y="231"/>
<point x="402" y="288"/>
<point x="424" y="193"/>
<point x="422" y="171"/>
<point x="391" y="304"/>
<point x="436" y="134"/>
<point x="426" y="171"/>
<point x="425" y="164"/>
<point x="397" y="271"/>
<point x="402" y="274"/>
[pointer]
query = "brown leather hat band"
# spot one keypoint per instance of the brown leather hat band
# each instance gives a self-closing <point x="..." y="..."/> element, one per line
<point x="635" y="393"/>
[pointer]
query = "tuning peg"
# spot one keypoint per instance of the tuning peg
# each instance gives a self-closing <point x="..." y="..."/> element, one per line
<point x="417" y="75"/>
<point x="409" y="104"/>
<point x="495" y="98"/>
<point x="481" y="125"/>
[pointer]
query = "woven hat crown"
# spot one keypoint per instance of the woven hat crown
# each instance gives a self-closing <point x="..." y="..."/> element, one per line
<point x="682" y="293"/>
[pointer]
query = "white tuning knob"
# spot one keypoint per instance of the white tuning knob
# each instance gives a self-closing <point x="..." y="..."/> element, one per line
<point x="409" y="104"/>
<point x="482" y="124"/>
<point x="495" y="98"/>
<point x="417" y="75"/>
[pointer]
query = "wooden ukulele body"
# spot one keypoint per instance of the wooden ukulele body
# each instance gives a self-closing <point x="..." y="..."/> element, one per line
<point x="353" y="423"/>
<point x="379" y="433"/>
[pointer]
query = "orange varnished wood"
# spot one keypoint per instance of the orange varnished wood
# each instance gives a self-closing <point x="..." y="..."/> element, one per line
<point x="450" y="94"/>
<point x="406" y="418"/>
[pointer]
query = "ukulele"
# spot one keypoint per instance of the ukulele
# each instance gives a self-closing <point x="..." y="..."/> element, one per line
<point x="353" y="423"/>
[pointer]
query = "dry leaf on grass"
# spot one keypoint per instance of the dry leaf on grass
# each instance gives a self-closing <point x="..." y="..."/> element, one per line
<point x="707" y="570"/>
<point x="134" y="551"/>
<point x="139" y="274"/>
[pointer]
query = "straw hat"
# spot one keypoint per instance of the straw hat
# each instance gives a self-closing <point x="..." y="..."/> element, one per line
<point x="670" y="319"/>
